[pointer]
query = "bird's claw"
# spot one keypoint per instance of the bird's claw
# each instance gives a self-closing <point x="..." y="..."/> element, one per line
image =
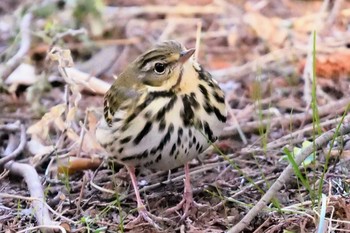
<point x="185" y="204"/>
<point x="151" y="219"/>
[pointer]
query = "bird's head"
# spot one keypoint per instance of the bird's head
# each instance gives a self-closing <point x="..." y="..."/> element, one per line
<point x="162" y="67"/>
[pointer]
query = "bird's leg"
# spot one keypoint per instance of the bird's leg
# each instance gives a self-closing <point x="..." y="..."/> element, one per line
<point x="187" y="200"/>
<point x="143" y="213"/>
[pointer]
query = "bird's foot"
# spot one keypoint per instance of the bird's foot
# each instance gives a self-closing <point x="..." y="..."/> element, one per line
<point x="185" y="204"/>
<point x="151" y="219"/>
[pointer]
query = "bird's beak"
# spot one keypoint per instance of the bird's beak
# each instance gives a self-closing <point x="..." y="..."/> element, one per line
<point x="185" y="55"/>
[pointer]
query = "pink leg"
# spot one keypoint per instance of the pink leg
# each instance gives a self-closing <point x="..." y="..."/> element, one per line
<point x="131" y="171"/>
<point x="187" y="200"/>
<point x="143" y="213"/>
<point x="188" y="195"/>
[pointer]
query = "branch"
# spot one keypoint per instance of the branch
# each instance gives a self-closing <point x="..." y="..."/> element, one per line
<point x="32" y="179"/>
<point x="335" y="107"/>
<point x="11" y="127"/>
<point x="286" y="175"/>
<point x="26" y="40"/>
<point x="128" y="12"/>
<point x="13" y="155"/>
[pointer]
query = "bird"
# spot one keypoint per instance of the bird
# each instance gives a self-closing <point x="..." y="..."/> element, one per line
<point x="160" y="113"/>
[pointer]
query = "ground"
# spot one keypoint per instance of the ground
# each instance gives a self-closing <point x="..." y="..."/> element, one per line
<point x="284" y="100"/>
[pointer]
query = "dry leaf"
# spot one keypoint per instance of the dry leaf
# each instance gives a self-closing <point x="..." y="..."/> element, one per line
<point x="24" y="74"/>
<point x="66" y="226"/>
<point x="41" y="128"/>
<point x="72" y="114"/>
<point x="268" y="29"/>
<point x="334" y="65"/>
<point x="70" y="165"/>
<point x="38" y="149"/>
<point x="219" y="63"/>
<point x="308" y="23"/>
<point x="62" y="56"/>
<point x="92" y="120"/>
<point x="72" y="135"/>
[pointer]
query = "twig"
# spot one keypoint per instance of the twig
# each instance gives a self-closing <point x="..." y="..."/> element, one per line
<point x="100" y="188"/>
<point x="69" y="32"/>
<point x="18" y="150"/>
<point x="292" y="136"/>
<point x="244" y="189"/>
<point x="81" y="194"/>
<point x="170" y="27"/>
<point x="16" y="60"/>
<point x="286" y="175"/>
<point x="226" y="74"/>
<point x="5" y="195"/>
<point x="82" y="133"/>
<point x="4" y="174"/>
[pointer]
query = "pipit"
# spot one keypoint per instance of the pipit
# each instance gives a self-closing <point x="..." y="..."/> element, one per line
<point x="162" y="111"/>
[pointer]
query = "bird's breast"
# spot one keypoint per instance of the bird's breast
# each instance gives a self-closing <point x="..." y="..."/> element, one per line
<point x="165" y="129"/>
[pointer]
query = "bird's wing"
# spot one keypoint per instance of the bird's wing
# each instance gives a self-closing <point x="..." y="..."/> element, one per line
<point x="114" y="99"/>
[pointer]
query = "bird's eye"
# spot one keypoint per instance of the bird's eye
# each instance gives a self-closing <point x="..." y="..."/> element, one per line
<point x="159" y="68"/>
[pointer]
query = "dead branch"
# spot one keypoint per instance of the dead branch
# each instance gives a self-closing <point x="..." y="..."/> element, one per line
<point x="337" y="6"/>
<point x="336" y="107"/>
<point x="130" y="12"/>
<point x="69" y="32"/>
<point x="100" y="86"/>
<point x="286" y="175"/>
<point x="32" y="179"/>
<point x="226" y="74"/>
<point x="278" y="56"/>
<point x="5" y="195"/>
<point x="11" y="127"/>
<point x="19" y="149"/>
<point x="286" y="139"/>
<point x="26" y="40"/>
<point x="30" y="229"/>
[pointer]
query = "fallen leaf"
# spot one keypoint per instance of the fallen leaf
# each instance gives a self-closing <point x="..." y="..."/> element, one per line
<point x="41" y="128"/>
<point x="308" y="23"/>
<point x="331" y="66"/>
<point x="38" y="149"/>
<point x="70" y="165"/>
<point x="66" y="226"/>
<point x="24" y="74"/>
<point x="268" y="29"/>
